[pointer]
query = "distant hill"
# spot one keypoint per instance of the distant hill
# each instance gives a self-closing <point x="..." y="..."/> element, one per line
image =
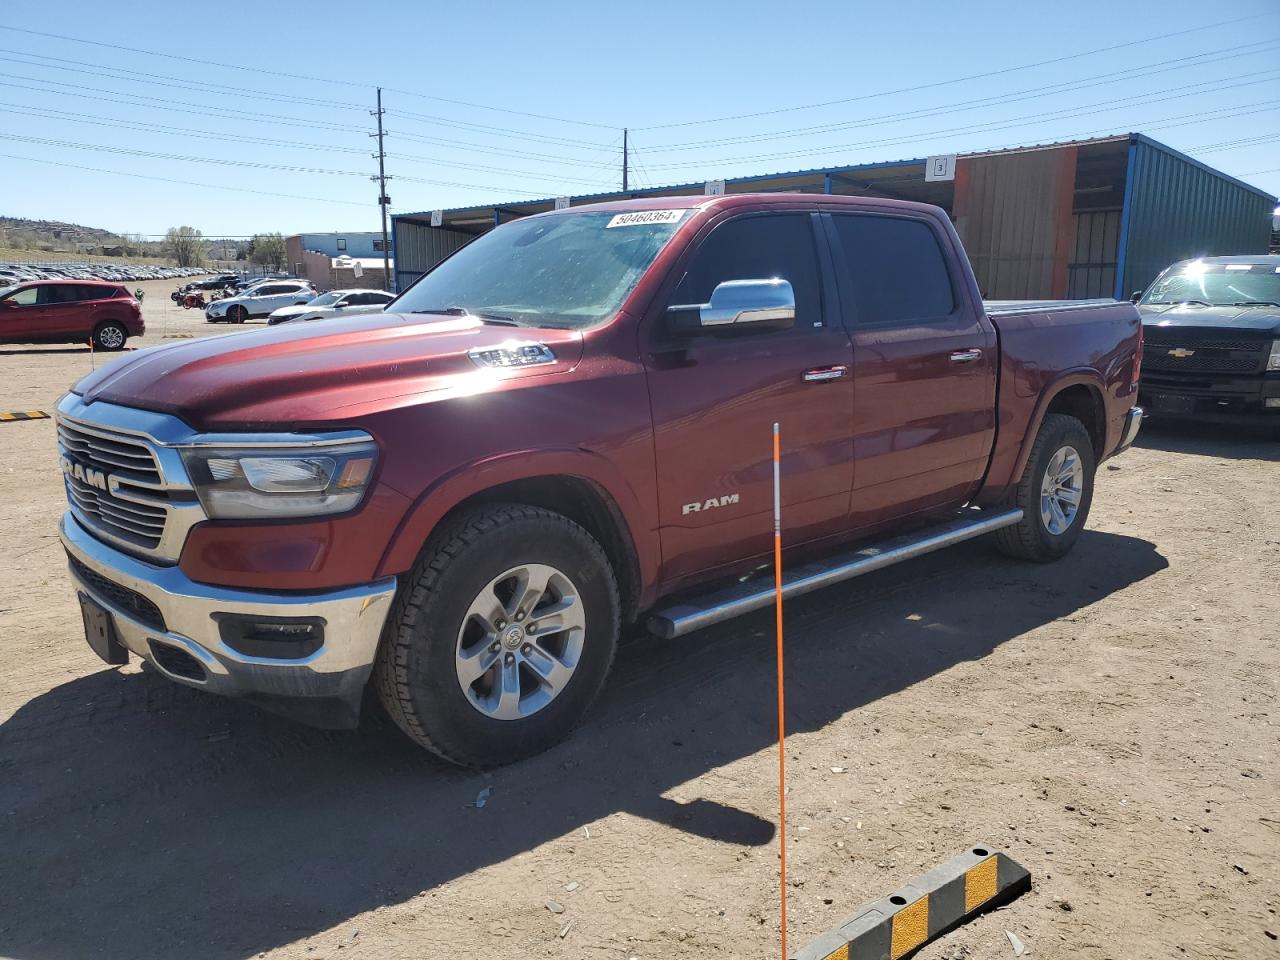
<point x="54" y="236"/>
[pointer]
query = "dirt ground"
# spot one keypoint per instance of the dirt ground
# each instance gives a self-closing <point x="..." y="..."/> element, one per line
<point x="1110" y="721"/>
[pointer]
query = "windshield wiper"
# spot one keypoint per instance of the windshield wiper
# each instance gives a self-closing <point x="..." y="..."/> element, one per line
<point x="1179" y="303"/>
<point x="494" y="318"/>
<point x="1255" y="303"/>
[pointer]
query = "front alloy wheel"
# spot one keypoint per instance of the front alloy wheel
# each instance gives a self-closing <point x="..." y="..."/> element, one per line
<point x="501" y="635"/>
<point x="520" y="642"/>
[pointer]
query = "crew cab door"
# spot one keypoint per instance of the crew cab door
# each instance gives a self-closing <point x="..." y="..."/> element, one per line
<point x="924" y="365"/>
<point x="715" y="396"/>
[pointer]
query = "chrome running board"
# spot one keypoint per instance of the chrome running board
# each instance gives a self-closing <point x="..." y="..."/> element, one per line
<point x="755" y="594"/>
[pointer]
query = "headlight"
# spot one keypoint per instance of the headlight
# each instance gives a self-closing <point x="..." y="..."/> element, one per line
<point x="246" y="483"/>
<point x="1273" y="361"/>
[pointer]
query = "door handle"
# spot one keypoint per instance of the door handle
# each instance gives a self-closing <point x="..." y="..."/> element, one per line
<point x="965" y="356"/>
<point x="823" y="374"/>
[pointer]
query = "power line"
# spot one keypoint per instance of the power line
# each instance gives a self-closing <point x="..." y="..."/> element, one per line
<point x="186" y="59"/>
<point x="188" y="132"/>
<point x="185" y="183"/>
<point x="487" y="148"/>
<point x="44" y="113"/>
<point x="518" y="113"/>
<point x="157" y="155"/>
<point x="222" y="161"/>
<point x="163" y="80"/>
<point x="161" y="103"/>
<point x="945" y="83"/>
<point x="1026" y="120"/>
<point x="1031" y="93"/>
<point x="486" y="128"/>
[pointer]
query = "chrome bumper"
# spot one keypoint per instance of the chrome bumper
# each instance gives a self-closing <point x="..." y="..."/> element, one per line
<point x="1132" y="423"/>
<point x="324" y="687"/>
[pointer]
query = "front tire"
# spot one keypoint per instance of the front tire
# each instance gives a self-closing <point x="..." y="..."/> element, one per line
<point x="501" y="637"/>
<point x="1055" y="492"/>
<point x="238" y="314"/>
<point x="110" y="336"/>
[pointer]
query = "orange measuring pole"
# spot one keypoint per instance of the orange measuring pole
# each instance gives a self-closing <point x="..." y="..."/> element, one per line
<point x="782" y="728"/>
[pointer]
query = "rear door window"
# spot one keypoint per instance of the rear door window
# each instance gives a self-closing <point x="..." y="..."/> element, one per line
<point x="896" y="270"/>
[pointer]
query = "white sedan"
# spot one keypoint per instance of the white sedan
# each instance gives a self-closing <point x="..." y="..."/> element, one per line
<point x="259" y="301"/>
<point x="335" y="303"/>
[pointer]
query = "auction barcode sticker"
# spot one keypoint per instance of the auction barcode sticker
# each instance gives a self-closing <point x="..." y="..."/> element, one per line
<point x="643" y="217"/>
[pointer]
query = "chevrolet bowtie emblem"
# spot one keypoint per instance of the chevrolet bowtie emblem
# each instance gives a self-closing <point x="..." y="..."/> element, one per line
<point x="1181" y="353"/>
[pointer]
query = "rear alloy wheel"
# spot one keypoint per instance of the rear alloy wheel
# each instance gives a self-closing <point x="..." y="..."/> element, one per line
<point x="1061" y="489"/>
<point x="1055" y="492"/>
<point x="110" y="336"/>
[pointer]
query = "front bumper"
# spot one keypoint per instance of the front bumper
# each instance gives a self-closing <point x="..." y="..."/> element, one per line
<point x="1216" y="398"/>
<point x="323" y="688"/>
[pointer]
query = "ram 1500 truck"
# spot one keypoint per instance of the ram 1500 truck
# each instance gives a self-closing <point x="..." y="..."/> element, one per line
<point x="1213" y="339"/>
<point x="566" y="427"/>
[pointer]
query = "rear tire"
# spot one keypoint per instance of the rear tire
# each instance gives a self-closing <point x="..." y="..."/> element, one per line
<point x="109" y="336"/>
<point x="1059" y="470"/>
<point x="470" y="686"/>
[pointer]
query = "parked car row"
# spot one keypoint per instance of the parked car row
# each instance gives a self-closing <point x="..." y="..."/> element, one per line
<point x="15" y="272"/>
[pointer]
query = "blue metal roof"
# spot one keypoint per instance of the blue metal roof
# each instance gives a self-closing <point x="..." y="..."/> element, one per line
<point x="694" y="185"/>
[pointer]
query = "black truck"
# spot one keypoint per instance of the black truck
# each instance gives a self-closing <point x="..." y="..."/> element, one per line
<point x="1212" y="340"/>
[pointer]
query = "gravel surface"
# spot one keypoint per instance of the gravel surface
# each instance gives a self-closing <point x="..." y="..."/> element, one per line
<point x="1109" y="721"/>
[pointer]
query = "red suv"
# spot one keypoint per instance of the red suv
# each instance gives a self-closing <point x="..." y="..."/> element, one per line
<point x="69" y="311"/>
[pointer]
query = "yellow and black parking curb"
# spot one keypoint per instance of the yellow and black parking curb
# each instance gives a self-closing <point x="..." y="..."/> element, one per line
<point x="925" y="908"/>
<point x="7" y="415"/>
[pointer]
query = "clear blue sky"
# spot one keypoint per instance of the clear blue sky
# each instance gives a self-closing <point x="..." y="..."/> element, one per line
<point x="659" y="68"/>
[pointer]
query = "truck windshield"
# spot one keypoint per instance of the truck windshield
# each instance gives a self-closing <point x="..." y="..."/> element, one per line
<point x="1218" y="284"/>
<point x="570" y="271"/>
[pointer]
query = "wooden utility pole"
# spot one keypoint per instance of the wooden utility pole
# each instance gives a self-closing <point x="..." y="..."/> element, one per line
<point x="383" y="200"/>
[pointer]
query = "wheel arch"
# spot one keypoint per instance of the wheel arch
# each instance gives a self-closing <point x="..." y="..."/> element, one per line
<point x="589" y="500"/>
<point x="1078" y="394"/>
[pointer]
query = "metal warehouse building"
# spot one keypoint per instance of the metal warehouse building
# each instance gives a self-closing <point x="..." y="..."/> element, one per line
<point x="1090" y="218"/>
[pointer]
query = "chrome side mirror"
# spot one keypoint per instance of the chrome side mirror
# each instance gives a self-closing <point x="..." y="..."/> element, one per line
<point x="740" y="303"/>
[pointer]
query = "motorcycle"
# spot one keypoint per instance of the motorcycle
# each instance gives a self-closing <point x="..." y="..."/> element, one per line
<point x="193" y="300"/>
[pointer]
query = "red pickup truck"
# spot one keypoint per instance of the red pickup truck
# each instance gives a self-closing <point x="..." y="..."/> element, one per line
<point x="564" y="428"/>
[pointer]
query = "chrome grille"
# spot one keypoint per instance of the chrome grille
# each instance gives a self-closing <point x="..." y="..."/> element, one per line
<point x="108" y="451"/>
<point x="1202" y="362"/>
<point x="128" y="502"/>
<point x="1211" y="351"/>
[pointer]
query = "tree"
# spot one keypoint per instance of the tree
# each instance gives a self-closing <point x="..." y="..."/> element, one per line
<point x="267" y="250"/>
<point x="185" y="245"/>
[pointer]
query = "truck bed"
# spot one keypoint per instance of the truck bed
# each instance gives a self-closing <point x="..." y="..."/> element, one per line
<point x="1005" y="308"/>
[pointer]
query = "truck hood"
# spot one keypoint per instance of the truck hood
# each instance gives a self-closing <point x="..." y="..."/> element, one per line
<point x="299" y="374"/>
<point x="1261" y="319"/>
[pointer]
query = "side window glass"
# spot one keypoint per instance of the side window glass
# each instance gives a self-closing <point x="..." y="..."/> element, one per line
<point x="26" y="297"/>
<point x="896" y="269"/>
<point x="758" y="248"/>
